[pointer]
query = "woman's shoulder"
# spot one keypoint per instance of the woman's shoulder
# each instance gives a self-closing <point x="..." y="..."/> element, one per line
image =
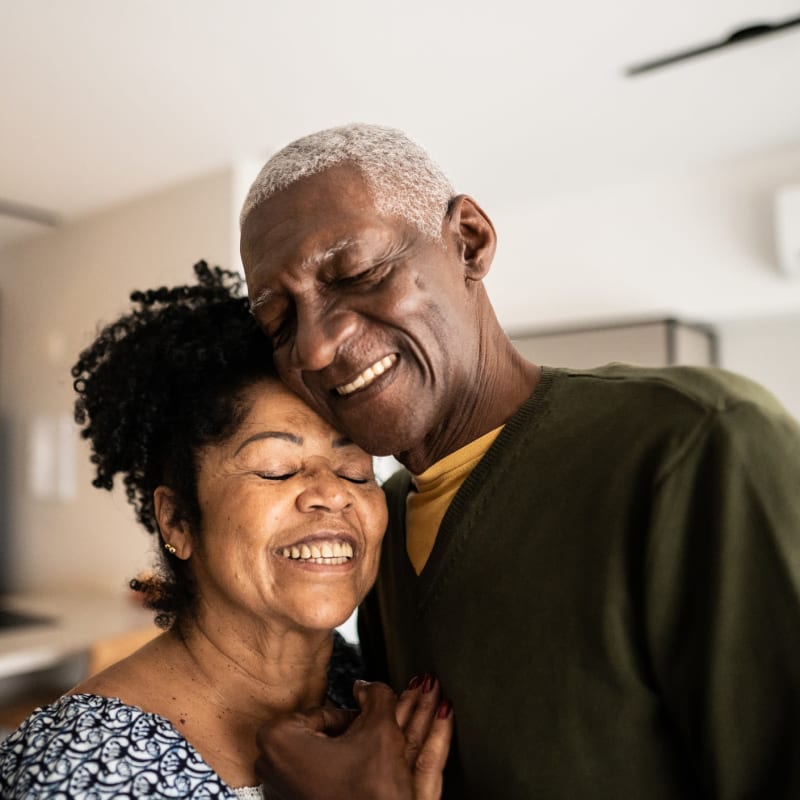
<point x="130" y="678"/>
<point x="88" y="745"/>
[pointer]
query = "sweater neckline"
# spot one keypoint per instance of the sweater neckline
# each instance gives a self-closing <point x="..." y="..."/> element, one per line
<point x="487" y="472"/>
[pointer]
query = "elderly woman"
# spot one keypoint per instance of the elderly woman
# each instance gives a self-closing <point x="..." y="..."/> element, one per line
<point x="269" y="525"/>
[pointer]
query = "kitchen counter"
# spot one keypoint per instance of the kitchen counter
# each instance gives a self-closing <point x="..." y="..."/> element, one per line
<point x="76" y="621"/>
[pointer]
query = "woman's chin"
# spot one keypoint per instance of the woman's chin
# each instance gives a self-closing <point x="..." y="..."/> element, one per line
<point x="322" y="608"/>
<point x="326" y="620"/>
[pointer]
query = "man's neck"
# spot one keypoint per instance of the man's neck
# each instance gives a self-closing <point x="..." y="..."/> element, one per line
<point x="497" y="398"/>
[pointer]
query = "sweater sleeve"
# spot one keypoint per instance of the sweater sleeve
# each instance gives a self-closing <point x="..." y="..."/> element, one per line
<point x="722" y="601"/>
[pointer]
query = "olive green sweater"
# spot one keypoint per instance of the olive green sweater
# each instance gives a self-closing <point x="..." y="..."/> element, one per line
<point x="613" y="599"/>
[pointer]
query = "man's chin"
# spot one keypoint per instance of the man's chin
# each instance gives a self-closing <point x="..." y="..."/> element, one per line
<point x="376" y="421"/>
<point x="381" y="439"/>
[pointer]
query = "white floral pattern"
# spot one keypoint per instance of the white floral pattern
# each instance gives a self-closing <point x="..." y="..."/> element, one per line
<point x="85" y="747"/>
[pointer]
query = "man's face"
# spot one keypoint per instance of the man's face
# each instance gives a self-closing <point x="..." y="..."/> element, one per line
<point x="372" y="323"/>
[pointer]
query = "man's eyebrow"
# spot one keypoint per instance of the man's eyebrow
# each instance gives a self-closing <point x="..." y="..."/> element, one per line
<point x="261" y="298"/>
<point x="264" y="295"/>
<point x="344" y="441"/>
<point x="287" y="437"/>
<point x="332" y="251"/>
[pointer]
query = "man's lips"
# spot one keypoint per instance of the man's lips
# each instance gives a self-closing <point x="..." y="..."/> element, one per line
<point x="370" y="374"/>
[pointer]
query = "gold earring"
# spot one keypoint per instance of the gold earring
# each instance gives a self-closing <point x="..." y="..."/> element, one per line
<point x="170" y="548"/>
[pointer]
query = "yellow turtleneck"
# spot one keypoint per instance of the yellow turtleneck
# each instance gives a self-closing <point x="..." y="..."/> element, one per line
<point x="435" y="490"/>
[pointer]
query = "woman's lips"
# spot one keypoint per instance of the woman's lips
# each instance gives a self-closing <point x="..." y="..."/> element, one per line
<point x="331" y="550"/>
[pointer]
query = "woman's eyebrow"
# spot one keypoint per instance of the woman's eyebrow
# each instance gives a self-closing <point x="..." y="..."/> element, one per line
<point x="287" y="437"/>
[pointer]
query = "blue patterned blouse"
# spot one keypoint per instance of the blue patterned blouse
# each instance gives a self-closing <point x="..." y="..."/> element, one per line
<point x="85" y="747"/>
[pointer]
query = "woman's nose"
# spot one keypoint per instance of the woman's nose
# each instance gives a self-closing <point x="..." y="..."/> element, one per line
<point x="324" y="491"/>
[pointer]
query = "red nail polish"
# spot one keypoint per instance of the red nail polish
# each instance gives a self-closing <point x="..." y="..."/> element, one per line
<point x="415" y="681"/>
<point x="428" y="683"/>
<point x="445" y="709"/>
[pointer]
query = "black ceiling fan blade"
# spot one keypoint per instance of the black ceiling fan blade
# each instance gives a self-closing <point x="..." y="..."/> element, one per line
<point x="744" y="34"/>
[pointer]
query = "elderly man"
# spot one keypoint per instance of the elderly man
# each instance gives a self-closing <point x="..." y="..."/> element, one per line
<point x="601" y="567"/>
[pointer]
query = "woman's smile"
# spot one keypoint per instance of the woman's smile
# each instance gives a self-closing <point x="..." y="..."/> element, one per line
<point x="320" y="550"/>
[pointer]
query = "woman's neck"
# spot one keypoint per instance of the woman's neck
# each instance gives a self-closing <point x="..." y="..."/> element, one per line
<point x="240" y="683"/>
<point x="217" y="686"/>
<point x="265" y="670"/>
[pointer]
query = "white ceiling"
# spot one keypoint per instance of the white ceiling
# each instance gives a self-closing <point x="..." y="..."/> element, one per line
<point x="101" y="100"/>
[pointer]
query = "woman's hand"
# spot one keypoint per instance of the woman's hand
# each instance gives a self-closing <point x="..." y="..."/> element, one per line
<point x="427" y="722"/>
<point x="391" y="750"/>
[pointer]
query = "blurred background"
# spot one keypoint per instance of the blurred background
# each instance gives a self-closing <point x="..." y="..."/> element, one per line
<point x="130" y="131"/>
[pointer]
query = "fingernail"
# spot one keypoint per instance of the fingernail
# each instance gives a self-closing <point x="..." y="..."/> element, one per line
<point x="428" y="683"/>
<point x="415" y="681"/>
<point x="445" y="709"/>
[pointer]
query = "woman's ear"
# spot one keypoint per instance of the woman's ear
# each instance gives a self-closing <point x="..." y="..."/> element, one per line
<point x="473" y="234"/>
<point x="174" y="527"/>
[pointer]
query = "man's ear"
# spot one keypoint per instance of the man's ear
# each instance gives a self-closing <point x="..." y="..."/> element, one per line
<point x="173" y="525"/>
<point x="473" y="234"/>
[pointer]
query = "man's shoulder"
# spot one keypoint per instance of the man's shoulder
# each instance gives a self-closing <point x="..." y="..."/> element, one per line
<point x="644" y="407"/>
<point x="701" y="388"/>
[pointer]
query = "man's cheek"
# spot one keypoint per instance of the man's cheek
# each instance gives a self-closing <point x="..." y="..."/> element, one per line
<point x="293" y="379"/>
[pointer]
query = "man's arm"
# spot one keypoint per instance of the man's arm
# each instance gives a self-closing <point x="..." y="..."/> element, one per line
<point x="722" y="602"/>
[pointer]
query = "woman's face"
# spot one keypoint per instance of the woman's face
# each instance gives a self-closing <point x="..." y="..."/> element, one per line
<point x="292" y="519"/>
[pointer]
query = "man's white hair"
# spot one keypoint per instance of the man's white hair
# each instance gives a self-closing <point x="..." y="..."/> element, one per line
<point x="402" y="178"/>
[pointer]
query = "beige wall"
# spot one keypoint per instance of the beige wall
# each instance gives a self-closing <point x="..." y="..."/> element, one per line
<point x="766" y="349"/>
<point x="53" y="291"/>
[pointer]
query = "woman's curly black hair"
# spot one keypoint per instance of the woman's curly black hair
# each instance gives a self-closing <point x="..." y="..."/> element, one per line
<point x="163" y="381"/>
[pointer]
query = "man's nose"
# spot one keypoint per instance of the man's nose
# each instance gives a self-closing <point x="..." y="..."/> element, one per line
<point x="320" y="333"/>
<point x="324" y="490"/>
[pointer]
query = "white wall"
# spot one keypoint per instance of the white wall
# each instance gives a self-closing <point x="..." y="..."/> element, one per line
<point x="696" y="245"/>
<point x="53" y="291"/>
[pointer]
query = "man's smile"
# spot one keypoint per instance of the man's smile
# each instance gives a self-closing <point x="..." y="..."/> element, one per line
<point x="366" y="377"/>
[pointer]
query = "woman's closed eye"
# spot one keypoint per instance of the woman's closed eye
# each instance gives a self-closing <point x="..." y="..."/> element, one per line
<point x="280" y="475"/>
<point x="355" y="478"/>
<point x="276" y="476"/>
